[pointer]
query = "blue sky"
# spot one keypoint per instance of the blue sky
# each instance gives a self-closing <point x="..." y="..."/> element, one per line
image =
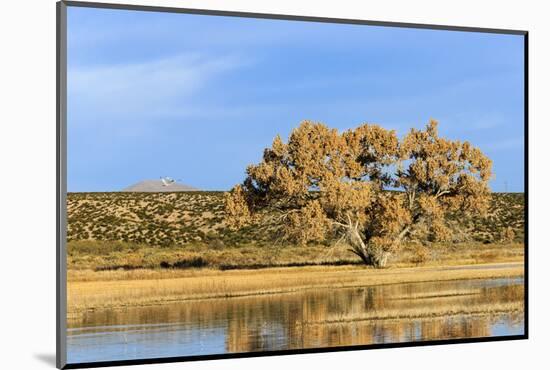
<point x="198" y="98"/>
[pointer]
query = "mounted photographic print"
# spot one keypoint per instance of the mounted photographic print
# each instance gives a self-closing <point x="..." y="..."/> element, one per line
<point x="235" y="184"/>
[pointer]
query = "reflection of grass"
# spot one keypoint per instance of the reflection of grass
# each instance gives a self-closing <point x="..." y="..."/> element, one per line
<point x="117" y="289"/>
<point x="439" y="294"/>
<point x="445" y="310"/>
<point x="457" y="302"/>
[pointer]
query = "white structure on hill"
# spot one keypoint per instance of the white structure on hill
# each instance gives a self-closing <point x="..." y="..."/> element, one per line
<point x="156" y="186"/>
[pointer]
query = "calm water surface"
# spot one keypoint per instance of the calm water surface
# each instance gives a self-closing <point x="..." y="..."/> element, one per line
<point x="308" y="319"/>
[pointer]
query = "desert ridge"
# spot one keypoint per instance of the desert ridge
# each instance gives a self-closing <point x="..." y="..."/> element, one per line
<point x="158" y="186"/>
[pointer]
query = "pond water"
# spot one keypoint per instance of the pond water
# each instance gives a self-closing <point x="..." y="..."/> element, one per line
<point x="307" y="319"/>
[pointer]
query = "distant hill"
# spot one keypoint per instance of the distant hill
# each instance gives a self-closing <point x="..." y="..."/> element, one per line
<point x="157" y="186"/>
<point x="178" y="218"/>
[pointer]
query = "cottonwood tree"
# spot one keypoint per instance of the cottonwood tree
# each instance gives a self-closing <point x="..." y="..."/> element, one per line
<point x="365" y="184"/>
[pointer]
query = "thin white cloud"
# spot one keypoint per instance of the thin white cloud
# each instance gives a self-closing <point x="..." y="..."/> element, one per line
<point x="201" y="32"/>
<point x="146" y="87"/>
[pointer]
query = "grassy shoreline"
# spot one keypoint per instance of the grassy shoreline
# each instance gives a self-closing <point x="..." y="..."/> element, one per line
<point x="112" y="255"/>
<point x="123" y="289"/>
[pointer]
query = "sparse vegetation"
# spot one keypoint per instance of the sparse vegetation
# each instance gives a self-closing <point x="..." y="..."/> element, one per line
<point x="187" y="219"/>
<point x="155" y="219"/>
<point x="507" y="234"/>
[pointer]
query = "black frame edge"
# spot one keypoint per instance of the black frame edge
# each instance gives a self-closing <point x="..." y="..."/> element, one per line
<point x="289" y="17"/>
<point x="61" y="170"/>
<point x="526" y="181"/>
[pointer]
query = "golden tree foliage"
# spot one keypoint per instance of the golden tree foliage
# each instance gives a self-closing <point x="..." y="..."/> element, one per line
<point x="236" y="208"/>
<point x="307" y="224"/>
<point x="365" y="183"/>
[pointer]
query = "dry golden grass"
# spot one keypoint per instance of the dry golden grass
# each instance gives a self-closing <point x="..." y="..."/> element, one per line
<point x="108" y="255"/>
<point x="119" y="289"/>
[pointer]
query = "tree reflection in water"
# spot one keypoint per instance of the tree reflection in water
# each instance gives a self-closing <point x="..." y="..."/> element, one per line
<point x="311" y="318"/>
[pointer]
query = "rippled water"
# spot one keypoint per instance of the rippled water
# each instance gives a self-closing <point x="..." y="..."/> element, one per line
<point x="308" y="319"/>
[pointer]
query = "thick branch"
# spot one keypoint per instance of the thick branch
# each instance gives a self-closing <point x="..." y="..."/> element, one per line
<point x="400" y="236"/>
<point x="441" y="192"/>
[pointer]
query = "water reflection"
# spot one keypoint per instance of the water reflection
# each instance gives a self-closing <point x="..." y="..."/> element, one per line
<point x="315" y="318"/>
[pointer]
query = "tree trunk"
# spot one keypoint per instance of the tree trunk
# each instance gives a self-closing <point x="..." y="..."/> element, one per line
<point x="380" y="259"/>
<point x="374" y="258"/>
<point x="371" y="255"/>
